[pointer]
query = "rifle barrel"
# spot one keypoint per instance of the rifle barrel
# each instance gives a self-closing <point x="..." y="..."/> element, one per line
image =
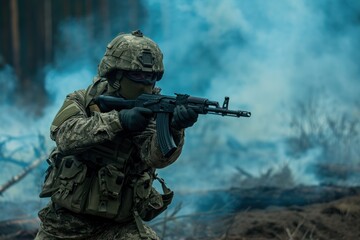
<point x="226" y="112"/>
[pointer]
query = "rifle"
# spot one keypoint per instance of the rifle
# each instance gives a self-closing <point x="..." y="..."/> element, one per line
<point x="163" y="106"/>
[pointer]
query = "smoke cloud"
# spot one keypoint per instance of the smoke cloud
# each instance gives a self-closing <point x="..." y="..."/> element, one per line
<point x="266" y="56"/>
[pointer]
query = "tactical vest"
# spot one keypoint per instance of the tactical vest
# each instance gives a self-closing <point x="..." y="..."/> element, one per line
<point x="108" y="180"/>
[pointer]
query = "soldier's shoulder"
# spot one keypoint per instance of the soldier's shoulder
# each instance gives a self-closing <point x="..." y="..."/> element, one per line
<point x="78" y="96"/>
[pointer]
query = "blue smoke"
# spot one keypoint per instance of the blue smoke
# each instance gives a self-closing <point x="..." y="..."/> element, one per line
<point x="265" y="55"/>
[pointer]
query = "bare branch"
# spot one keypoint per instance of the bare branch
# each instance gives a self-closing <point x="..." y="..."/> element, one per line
<point x="21" y="175"/>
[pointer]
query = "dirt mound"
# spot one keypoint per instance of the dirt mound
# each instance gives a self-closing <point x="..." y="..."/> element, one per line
<point x="328" y="221"/>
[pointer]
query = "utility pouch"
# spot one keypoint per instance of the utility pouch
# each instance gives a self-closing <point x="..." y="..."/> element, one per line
<point x="51" y="175"/>
<point x="104" y="197"/>
<point x="142" y="188"/>
<point x="157" y="203"/>
<point x="49" y="187"/>
<point x="73" y="185"/>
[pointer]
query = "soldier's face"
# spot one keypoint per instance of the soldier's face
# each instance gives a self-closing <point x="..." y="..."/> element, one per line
<point x="131" y="90"/>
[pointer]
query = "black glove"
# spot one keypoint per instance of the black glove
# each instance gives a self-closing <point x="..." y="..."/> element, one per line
<point x="183" y="117"/>
<point x="135" y="119"/>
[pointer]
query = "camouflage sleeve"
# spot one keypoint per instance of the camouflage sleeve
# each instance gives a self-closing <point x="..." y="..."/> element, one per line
<point x="149" y="149"/>
<point x="74" y="131"/>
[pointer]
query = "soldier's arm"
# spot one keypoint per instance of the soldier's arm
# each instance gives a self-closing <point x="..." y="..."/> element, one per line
<point x="74" y="131"/>
<point x="149" y="148"/>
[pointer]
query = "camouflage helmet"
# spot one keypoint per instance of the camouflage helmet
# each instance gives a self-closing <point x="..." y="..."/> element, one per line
<point x="132" y="52"/>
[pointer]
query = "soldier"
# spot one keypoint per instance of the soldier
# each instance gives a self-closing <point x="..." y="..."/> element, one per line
<point x="101" y="172"/>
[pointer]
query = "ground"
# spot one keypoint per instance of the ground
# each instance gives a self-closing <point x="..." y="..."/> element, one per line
<point x="334" y="220"/>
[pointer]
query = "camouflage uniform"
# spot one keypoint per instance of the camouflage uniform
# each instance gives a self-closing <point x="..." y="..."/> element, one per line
<point x="97" y="139"/>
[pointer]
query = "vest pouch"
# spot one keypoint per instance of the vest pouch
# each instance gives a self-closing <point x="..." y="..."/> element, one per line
<point x="125" y="212"/>
<point x="104" y="197"/>
<point x="49" y="188"/>
<point x="155" y="206"/>
<point x="142" y="191"/>
<point x="157" y="203"/>
<point x="51" y="175"/>
<point x="72" y="184"/>
<point x="143" y="187"/>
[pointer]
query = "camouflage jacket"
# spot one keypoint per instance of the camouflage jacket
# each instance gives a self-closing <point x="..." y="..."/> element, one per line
<point x="77" y="128"/>
<point x="80" y="128"/>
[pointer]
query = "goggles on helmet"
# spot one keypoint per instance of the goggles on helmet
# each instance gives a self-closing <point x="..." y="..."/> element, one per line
<point x="147" y="78"/>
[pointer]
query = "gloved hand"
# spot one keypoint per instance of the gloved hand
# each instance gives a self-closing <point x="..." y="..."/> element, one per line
<point x="183" y="117"/>
<point x="135" y="119"/>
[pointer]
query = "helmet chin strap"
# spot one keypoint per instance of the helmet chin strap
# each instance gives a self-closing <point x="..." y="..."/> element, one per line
<point x="116" y="85"/>
<point x="114" y="80"/>
<point x="113" y="91"/>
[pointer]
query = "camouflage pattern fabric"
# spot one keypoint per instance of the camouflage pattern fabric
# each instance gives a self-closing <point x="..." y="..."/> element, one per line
<point x="64" y="224"/>
<point x="79" y="132"/>
<point x="128" y="52"/>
